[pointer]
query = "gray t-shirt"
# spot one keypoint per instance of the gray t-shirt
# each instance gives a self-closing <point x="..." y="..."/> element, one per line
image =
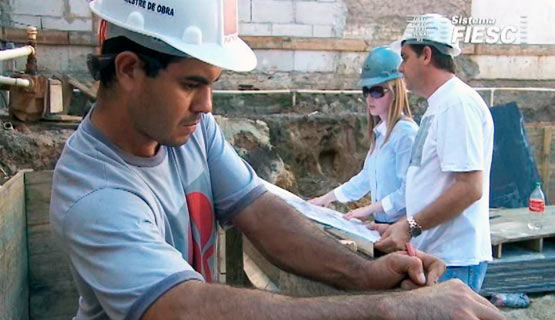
<point x="135" y="227"/>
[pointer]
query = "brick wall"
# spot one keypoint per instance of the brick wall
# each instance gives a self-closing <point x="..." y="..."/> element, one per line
<point x="316" y="18"/>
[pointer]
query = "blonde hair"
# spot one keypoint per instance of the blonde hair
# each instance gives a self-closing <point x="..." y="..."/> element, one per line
<point x="398" y="110"/>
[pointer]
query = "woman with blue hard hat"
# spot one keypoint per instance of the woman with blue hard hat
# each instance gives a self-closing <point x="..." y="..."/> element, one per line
<point x="391" y="131"/>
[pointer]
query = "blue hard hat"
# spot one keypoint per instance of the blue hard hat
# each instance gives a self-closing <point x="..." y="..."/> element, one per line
<point x="381" y="65"/>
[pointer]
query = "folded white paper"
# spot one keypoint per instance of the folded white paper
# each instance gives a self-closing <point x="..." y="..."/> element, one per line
<point x="323" y="215"/>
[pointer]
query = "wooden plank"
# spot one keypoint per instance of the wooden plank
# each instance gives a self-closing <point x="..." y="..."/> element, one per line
<point x="52" y="291"/>
<point x="38" y="186"/>
<point x="288" y="283"/>
<point x="545" y="160"/>
<point x="63" y="118"/>
<point x="14" y="287"/>
<point x="49" y="301"/>
<point x="363" y="246"/>
<point x="497" y="251"/>
<point x="511" y="226"/>
<point x="90" y="90"/>
<point x="235" y="274"/>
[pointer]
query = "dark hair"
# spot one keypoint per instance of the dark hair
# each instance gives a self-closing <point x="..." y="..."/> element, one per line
<point x="439" y="60"/>
<point x="154" y="61"/>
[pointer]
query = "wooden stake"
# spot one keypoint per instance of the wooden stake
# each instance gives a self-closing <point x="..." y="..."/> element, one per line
<point x="546" y="151"/>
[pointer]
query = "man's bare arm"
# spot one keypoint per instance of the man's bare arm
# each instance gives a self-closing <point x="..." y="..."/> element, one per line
<point x="197" y="300"/>
<point x="466" y="189"/>
<point x="295" y="244"/>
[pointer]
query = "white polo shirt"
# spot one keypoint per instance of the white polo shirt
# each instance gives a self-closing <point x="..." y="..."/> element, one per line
<point x="455" y="135"/>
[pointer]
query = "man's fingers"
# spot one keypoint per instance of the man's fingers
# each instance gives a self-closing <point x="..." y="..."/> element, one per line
<point x="385" y="245"/>
<point x="403" y="264"/>
<point x="479" y="305"/>
<point x="416" y="271"/>
<point x="380" y="227"/>
<point x="485" y="302"/>
<point x="485" y="312"/>
<point x="407" y="284"/>
<point x="434" y="267"/>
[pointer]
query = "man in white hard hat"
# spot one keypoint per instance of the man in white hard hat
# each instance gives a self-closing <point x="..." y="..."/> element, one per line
<point x="142" y="183"/>
<point x="447" y="190"/>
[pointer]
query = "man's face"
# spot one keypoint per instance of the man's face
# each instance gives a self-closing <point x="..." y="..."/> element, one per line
<point x="410" y="68"/>
<point x="168" y="107"/>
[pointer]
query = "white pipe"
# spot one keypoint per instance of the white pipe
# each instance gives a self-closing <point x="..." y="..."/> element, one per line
<point x="518" y="89"/>
<point x="16" y="53"/>
<point x="353" y="91"/>
<point x="18" y="82"/>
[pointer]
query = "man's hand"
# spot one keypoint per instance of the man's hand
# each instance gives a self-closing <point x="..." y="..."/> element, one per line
<point x="448" y="300"/>
<point x="394" y="237"/>
<point x="401" y="270"/>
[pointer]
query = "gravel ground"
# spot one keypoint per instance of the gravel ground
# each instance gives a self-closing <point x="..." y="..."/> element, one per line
<point x="541" y="308"/>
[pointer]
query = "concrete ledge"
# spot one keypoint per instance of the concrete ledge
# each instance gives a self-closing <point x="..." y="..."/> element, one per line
<point x="52" y="37"/>
<point x="313" y="44"/>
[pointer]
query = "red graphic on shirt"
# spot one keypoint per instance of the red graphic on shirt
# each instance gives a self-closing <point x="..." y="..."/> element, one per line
<point x="202" y="220"/>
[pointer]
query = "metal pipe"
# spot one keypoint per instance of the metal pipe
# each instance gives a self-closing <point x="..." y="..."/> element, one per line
<point x="18" y="82"/>
<point x="16" y="53"/>
<point x="31" y="66"/>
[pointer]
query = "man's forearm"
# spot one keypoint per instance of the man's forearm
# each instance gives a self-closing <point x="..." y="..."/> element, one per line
<point x="459" y="196"/>
<point x="295" y="244"/>
<point x="197" y="300"/>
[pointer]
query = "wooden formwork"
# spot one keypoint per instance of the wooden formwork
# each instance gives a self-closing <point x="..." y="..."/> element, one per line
<point x="540" y="135"/>
<point x="35" y="280"/>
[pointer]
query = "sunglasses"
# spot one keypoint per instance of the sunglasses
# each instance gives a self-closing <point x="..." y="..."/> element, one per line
<point x="375" y="92"/>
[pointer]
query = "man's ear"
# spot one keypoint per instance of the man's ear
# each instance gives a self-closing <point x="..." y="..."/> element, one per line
<point x="128" y="70"/>
<point x="427" y="54"/>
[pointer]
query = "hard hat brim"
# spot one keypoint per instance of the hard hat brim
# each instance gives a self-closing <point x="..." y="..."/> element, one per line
<point x="369" y="82"/>
<point x="443" y="48"/>
<point x="233" y="55"/>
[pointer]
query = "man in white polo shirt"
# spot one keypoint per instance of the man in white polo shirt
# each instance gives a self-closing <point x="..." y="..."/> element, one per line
<point x="447" y="191"/>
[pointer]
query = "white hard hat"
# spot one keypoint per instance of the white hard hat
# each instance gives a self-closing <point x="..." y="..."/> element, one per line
<point x="430" y="29"/>
<point x="204" y="29"/>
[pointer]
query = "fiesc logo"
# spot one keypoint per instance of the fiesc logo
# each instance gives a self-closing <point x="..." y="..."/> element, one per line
<point x="484" y="31"/>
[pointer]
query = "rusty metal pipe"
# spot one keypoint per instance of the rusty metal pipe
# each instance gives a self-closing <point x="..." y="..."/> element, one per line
<point x="18" y="82"/>
<point x="16" y="53"/>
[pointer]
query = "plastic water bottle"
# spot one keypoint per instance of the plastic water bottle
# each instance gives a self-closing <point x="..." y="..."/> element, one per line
<point x="536" y="208"/>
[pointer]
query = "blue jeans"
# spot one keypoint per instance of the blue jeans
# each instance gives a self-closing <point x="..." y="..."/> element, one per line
<point x="473" y="276"/>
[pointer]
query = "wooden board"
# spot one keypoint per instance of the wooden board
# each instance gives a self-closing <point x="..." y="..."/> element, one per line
<point x="287" y="283"/>
<point x="511" y="225"/>
<point x="14" y="292"/>
<point x="364" y="246"/>
<point x="52" y="291"/>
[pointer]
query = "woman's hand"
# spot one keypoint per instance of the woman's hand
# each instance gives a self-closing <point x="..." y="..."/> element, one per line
<point x="364" y="212"/>
<point x="323" y="201"/>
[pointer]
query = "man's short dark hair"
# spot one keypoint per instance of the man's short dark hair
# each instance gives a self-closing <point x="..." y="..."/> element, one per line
<point x="439" y="60"/>
<point x="154" y="61"/>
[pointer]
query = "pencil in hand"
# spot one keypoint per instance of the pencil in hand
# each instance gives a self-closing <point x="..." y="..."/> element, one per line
<point x="410" y="249"/>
